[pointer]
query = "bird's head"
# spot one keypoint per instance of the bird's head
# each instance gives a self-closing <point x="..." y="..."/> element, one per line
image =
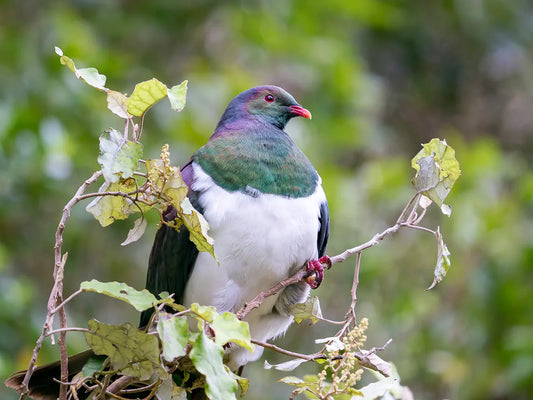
<point x="271" y="104"/>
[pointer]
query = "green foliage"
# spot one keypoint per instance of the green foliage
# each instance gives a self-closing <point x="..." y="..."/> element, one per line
<point x="229" y="328"/>
<point x="135" y="353"/>
<point x="118" y="157"/>
<point x="140" y="300"/>
<point x="130" y="351"/>
<point x="207" y="358"/>
<point x="144" y="96"/>
<point x="174" y="334"/>
<point x="161" y="185"/>
<point x="108" y="209"/>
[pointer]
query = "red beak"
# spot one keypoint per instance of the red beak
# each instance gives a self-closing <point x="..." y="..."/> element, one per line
<point x="299" y="110"/>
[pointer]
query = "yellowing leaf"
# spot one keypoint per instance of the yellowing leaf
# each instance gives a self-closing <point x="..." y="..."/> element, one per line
<point x="436" y="172"/>
<point x="119" y="157"/>
<point x="197" y="226"/>
<point x="443" y="260"/>
<point x="308" y="310"/>
<point x="130" y="351"/>
<point x="141" y="300"/>
<point x="136" y="232"/>
<point x="177" y="96"/>
<point x="168" y="181"/>
<point x="145" y="95"/>
<point x="207" y="313"/>
<point x="106" y="209"/>
<point x="116" y="102"/>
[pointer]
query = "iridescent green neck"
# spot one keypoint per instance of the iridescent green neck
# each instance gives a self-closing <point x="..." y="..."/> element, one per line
<point x="251" y="162"/>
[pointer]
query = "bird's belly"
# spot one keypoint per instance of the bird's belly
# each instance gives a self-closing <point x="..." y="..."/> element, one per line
<point x="259" y="241"/>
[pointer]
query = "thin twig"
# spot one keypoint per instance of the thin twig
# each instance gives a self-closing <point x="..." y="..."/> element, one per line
<point x="69" y="298"/>
<point x="68" y="329"/>
<point x="308" y="357"/>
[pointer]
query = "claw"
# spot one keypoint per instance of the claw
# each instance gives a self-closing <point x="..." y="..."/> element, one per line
<point x="316" y="271"/>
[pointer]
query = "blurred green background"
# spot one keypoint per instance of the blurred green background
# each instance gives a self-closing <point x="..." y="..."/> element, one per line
<point x="380" y="77"/>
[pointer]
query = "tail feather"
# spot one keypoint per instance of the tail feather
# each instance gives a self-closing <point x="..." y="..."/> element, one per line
<point x="42" y="385"/>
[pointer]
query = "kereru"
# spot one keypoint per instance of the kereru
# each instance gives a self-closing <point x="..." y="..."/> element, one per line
<point x="267" y="213"/>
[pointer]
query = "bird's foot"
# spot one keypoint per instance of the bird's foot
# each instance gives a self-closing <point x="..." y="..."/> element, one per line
<point x="315" y="269"/>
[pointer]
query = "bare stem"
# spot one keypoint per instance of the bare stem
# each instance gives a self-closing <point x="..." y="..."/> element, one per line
<point x="56" y="295"/>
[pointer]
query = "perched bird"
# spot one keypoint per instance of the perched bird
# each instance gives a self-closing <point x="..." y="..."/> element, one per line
<point x="267" y="213"/>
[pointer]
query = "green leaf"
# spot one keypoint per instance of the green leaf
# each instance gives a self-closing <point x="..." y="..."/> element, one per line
<point x="308" y="310"/>
<point x="136" y="232"/>
<point x="206" y="313"/>
<point x="436" y="172"/>
<point x="443" y="260"/>
<point x="141" y="300"/>
<point x="130" y="351"/>
<point x="198" y="227"/>
<point x="228" y="328"/>
<point x="177" y="96"/>
<point x="117" y="103"/>
<point x="145" y="95"/>
<point x="107" y="208"/>
<point x="207" y="356"/>
<point x="94" y="364"/>
<point x="119" y="157"/>
<point x="174" y="334"/>
<point x="91" y="76"/>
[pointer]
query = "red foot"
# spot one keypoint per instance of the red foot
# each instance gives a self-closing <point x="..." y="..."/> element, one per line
<point x="316" y="271"/>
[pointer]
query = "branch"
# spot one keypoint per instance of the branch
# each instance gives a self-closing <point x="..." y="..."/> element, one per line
<point x="56" y="295"/>
<point x="405" y="220"/>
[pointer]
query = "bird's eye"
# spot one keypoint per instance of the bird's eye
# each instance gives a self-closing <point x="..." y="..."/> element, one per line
<point x="269" y="98"/>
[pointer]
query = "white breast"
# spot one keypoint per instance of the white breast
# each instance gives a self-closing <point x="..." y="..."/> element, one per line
<point x="259" y="241"/>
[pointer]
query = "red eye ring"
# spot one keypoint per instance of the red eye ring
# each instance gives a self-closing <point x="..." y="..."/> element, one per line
<point x="269" y="98"/>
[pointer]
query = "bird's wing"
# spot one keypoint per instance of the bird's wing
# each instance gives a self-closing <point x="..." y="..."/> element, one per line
<point x="323" y="232"/>
<point x="173" y="255"/>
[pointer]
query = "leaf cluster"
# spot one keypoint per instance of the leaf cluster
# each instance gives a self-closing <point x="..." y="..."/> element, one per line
<point x="133" y="185"/>
<point x="146" y="359"/>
